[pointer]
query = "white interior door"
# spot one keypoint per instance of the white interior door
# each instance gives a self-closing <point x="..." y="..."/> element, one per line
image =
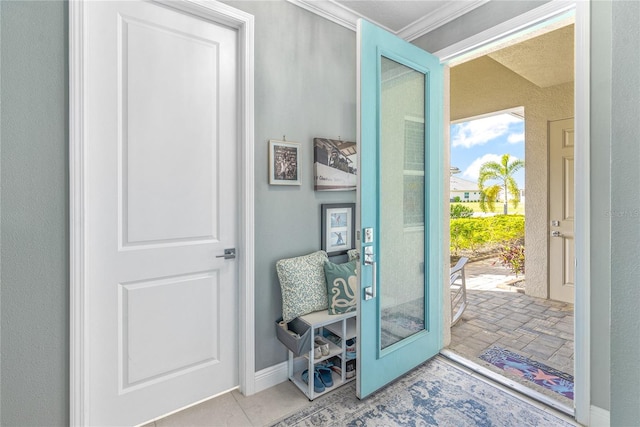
<point x="161" y="207"/>
<point x="561" y="211"/>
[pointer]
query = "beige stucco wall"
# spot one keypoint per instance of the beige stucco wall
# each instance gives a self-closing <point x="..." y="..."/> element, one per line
<point x="484" y="86"/>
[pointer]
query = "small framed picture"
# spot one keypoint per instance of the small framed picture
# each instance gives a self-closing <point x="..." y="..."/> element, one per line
<point x="338" y="228"/>
<point x="284" y="163"/>
<point x="335" y="164"/>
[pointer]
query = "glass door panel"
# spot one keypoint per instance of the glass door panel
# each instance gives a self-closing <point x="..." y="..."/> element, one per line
<point x="401" y="232"/>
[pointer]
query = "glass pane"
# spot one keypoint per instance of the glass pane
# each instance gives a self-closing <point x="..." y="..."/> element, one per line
<point x="401" y="266"/>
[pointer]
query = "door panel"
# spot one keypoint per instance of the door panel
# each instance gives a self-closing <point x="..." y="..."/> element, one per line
<point x="561" y="211"/>
<point x="154" y="344"/>
<point x="162" y="308"/>
<point x="400" y="207"/>
<point x="166" y="141"/>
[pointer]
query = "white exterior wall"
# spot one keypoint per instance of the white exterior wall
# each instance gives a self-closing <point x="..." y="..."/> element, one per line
<point x="473" y="196"/>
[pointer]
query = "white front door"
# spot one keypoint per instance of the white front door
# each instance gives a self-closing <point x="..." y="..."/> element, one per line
<point x="561" y="211"/>
<point x="161" y="208"/>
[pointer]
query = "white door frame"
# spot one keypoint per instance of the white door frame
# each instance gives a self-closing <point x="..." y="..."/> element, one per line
<point x="244" y="24"/>
<point x="531" y="20"/>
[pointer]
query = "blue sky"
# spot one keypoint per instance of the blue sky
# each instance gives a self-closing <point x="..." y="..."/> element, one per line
<point x="477" y="141"/>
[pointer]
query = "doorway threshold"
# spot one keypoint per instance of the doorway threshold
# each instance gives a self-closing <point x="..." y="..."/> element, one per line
<point x="506" y="382"/>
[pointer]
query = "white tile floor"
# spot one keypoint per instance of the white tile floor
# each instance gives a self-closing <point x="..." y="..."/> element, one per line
<point x="234" y="409"/>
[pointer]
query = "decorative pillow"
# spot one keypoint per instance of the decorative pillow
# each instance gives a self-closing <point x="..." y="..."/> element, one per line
<point x="353" y="254"/>
<point x="342" y="286"/>
<point x="303" y="285"/>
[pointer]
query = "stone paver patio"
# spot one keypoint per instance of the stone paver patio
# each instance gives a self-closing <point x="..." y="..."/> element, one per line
<point x="539" y="329"/>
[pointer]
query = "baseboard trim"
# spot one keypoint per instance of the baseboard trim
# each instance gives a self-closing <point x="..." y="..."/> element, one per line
<point x="277" y="374"/>
<point x="599" y="417"/>
<point x="271" y="376"/>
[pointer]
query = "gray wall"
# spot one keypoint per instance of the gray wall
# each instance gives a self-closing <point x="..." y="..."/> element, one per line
<point x="600" y="201"/>
<point x="34" y="199"/>
<point x="305" y="88"/>
<point x="625" y="214"/>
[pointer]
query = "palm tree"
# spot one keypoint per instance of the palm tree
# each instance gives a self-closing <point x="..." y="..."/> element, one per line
<point x="503" y="173"/>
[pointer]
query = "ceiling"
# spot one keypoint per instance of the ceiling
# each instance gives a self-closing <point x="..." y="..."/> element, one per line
<point x="545" y="60"/>
<point x="408" y="19"/>
<point x="544" y="57"/>
<point x="394" y="15"/>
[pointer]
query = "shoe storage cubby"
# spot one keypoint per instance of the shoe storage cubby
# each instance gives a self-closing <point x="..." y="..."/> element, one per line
<point x="337" y="334"/>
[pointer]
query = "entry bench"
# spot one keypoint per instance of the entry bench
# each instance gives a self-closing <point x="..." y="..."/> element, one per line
<point x="319" y="328"/>
<point x="336" y="330"/>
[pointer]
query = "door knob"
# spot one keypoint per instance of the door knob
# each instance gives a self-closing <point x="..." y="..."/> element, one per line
<point x="556" y="234"/>
<point x="228" y="254"/>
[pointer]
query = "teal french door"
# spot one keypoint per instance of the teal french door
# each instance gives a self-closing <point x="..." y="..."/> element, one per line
<point x="400" y="207"/>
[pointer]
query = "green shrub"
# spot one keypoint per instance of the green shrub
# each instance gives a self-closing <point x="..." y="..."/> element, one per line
<point x="456" y="199"/>
<point x="473" y="233"/>
<point x="467" y="233"/>
<point x="505" y="228"/>
<point x="460" y="211"/>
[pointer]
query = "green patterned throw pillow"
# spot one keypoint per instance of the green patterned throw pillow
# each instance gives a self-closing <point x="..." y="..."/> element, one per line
<point x="303" y="284"/>
<point x="342" y="286"/>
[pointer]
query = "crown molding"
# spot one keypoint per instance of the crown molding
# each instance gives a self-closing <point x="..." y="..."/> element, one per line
<point x="330" y="10"/>
<point x="346" y="17"/>
<point x="438" y="18"/>
<point x="528" y="21"/>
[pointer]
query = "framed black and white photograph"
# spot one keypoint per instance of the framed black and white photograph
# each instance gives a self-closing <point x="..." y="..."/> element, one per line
<point x="338" y="228"/>
<point x="335" y="165"/>
<point x="284" y="163"/>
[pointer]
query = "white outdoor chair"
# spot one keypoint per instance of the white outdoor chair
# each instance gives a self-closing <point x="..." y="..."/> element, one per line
<point x="458" y="287"/>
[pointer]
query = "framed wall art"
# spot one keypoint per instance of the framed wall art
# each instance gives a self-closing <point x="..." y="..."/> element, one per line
<point x="338" y="228"/>
<point x="284" y="162"/>
<point x="335" y="165"/>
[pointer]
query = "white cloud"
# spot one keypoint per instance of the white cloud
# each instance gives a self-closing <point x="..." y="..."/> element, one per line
<point x="514" y="138"/>
<point x="473" y="171"/>
<point x="481" y="131"/>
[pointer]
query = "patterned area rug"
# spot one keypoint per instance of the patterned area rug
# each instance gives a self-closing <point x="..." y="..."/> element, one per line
<point x="397" y="326"/>
<point x="539" y="373"/>
<point x="401" y="321"/>
<point x="434" y="394"/>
